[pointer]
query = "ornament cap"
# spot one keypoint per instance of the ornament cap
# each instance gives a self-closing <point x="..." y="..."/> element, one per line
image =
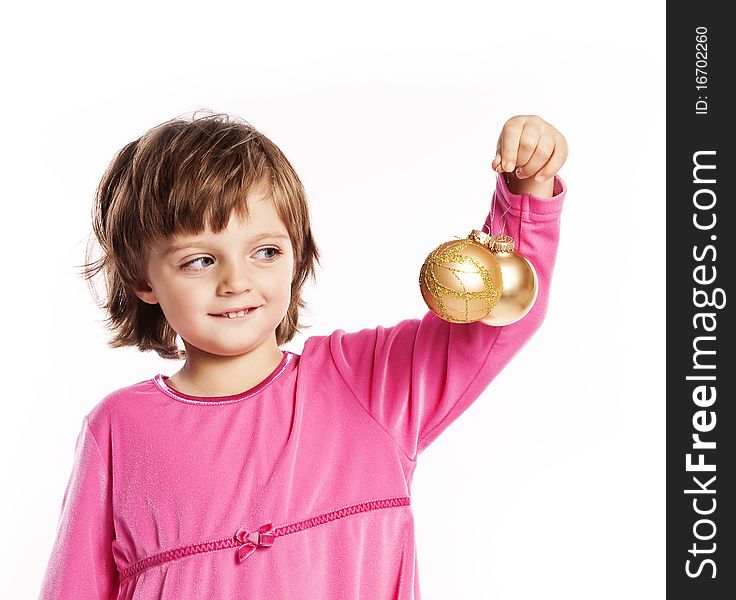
<point x="481" y="237"/>
<point x="501" y="243"/>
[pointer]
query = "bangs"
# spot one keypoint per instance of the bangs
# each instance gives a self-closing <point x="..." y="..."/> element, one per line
<point x="196" y="180"/>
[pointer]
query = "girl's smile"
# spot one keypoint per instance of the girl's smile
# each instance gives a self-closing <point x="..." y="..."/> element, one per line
<point x="237" y="313"/>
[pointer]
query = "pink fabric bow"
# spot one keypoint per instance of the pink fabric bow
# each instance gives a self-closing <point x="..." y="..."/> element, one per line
<point x="251" y="540"/>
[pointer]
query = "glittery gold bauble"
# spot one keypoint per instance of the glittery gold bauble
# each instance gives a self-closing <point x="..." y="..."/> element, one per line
<point x="461" y="281"/>
<point x="519" y="283"/>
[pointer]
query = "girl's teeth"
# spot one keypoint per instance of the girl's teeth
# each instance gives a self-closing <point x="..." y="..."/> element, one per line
<point x="235" y="314"/>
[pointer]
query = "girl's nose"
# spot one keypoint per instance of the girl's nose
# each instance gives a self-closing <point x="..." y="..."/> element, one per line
<point x="236" y="279"/>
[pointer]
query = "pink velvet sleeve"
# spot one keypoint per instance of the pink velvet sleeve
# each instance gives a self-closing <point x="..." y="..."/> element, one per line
<point x="417" y="377"/>
<point x="81" y="563"/>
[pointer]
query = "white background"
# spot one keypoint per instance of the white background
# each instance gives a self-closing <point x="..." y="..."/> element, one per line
<point x="551" y="485"/>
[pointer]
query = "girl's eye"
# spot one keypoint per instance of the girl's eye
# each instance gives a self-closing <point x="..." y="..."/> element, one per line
<point x="274" y="252"/>
<point x="196" y="267"/>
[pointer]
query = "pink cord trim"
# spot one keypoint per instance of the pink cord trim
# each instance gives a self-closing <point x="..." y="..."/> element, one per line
<point x="288" y="529"/>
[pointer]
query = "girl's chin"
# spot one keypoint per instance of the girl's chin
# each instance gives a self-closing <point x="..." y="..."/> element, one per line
<point x="218" y="351"/>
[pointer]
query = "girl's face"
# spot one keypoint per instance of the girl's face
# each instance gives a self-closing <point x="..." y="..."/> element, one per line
<point x="247" y="266"/>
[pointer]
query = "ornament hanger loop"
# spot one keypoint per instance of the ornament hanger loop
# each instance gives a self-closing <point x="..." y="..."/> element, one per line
<point x="493" y="214"/>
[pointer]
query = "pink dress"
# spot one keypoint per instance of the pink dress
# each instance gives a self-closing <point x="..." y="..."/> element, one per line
<point x="299" y="488"/>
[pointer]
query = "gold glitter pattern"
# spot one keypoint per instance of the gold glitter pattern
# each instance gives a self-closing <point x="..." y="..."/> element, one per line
<point x="456" y="303"/>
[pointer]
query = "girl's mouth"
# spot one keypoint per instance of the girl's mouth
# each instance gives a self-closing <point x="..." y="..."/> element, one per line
<point x="236" y="314"/>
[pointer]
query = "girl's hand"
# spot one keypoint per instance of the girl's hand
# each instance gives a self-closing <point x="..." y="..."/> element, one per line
<point x="531" y="151"/>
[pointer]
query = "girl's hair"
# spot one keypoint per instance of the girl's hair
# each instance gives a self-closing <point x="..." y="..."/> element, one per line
<point x="179" y="178"/>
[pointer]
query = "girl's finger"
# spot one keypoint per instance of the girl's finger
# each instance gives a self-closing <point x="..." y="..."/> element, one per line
<point x="496" y="163"/>
<point x="528" y="142"/>
<point x="508" y="144"/>
<point x="538" y="158"/>
<point x="553" y="165"/>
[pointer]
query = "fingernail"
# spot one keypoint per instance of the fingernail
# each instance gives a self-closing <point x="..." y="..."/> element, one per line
<point x="519" y="172"/>
<point x="540" y="178"/>
<point x="508" y="166"/>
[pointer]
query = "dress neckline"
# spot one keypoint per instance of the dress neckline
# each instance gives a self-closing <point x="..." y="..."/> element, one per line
<point x="287" y="361"/>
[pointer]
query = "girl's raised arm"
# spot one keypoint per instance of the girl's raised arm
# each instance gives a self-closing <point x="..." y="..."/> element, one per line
<point x="417" y="377"/>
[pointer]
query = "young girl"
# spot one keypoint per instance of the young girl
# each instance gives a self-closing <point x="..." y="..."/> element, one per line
<point x="254" y="472"/>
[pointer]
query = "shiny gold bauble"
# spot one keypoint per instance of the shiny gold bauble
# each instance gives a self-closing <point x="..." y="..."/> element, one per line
<point x="461" y="281"/>
<point x="519" y="283"/>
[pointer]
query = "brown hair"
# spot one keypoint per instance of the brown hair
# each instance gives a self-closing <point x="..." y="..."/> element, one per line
<point x="183" y="176"/>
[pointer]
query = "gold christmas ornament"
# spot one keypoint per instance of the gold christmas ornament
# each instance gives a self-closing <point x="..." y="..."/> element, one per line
<point x="461" y="280"/>
<point x="520" y="284"/>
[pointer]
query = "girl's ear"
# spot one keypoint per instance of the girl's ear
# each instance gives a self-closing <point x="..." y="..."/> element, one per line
<point x="145" y="292"/>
